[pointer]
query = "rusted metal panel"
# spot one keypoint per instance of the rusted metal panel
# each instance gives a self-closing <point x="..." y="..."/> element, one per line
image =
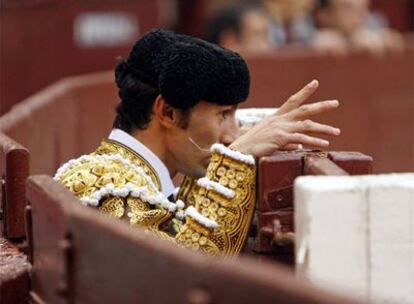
<point x="107" y="261"/>
<point x="14" y="171"/>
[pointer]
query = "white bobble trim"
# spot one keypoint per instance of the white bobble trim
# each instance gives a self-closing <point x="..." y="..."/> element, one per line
<point x="136" y="193"/>
<point x="129" y="189"/>
<point x="236" y="155"/>
<point x="210" y="185"/>
<point x="201" y="219"/>
<point x="110" y="187"/>
<point x="165" y="204"/>
<point x="103" y="191"/>
<point x="180" y="204"/>
<point x="180" y="214"/>
<point x="172" y="208"/>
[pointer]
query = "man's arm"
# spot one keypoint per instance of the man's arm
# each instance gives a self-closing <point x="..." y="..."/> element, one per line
<point x="220" y="210"/>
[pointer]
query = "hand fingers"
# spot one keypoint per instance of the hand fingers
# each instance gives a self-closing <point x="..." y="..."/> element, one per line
<point x="297" y="99"/>
<point x="291" y="147"/>
<point x="308" y="110"/>
<point x="299" y="138"/>
<point x="309" y="126"/>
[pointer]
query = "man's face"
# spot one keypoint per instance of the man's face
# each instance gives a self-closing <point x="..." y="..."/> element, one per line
<point x="254" y="36"/>
<point x="289" y="10"/>
<point x="208" y="124"/>
<point x="348" y="15"/>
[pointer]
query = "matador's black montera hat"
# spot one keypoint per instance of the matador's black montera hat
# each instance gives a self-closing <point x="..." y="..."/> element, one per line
<point x="187" y="70"/>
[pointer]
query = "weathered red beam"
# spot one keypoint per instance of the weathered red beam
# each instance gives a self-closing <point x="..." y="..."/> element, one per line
<point x="315" y="164"/>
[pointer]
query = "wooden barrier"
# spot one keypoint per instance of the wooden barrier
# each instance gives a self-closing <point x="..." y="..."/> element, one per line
<point x="377" y="99"/>
<point x="272" y="236"/>
<point x="376" y="115"/>
<point x="64" y="120"/>
<point x="14" y="267"/>
<point x="83" y="256"/>
<point x="14" y="169"/>
<point x="54" y="34"/>
<point x="14" y="274"/>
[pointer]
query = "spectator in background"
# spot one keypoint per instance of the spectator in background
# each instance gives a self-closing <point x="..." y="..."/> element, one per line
<point x="349" y="25"/>
<point x="241" y="28"/>
<point x="291" y="21"/>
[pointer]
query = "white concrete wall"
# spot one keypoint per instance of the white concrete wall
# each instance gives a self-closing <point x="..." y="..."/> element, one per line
<point x="356" y="234"/>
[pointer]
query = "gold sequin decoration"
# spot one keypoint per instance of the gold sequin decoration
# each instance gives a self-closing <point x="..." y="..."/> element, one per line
<point x="206" y="202"/>
<point x="214" y="206"/>
<point x="195" y="237"/>
<point x="221" y="212"/>
<point x="221" y="171"/>
<point x="224" y="181"/>
<point x="233" y="184"/>
<point x="202" y="241"/>
<point x="231" y="174"/>
<point x="240" y="176"/>
<point x="205" y="212"/>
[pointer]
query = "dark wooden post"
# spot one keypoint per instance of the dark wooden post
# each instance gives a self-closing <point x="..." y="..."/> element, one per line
<point x="14" y="170"/>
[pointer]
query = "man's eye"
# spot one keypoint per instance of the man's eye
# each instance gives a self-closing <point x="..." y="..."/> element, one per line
<point x="224" y="114"/>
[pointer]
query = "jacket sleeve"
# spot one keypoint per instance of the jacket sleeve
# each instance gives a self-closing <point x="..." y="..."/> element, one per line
<point x="220" y="207"/>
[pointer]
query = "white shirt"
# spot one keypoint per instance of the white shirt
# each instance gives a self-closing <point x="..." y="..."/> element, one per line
<point x="167" y="186"/>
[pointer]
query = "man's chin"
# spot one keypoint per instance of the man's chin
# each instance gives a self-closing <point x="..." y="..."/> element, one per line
<point x="198" y="173"/>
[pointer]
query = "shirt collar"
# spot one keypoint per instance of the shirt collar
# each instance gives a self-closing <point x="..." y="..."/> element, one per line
<point x="167" y="186"/>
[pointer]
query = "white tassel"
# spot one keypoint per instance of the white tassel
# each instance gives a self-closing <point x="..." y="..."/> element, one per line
<point x="236" y="155"/>
<point x="210" y="185"/>
<point x="201" y="219"/>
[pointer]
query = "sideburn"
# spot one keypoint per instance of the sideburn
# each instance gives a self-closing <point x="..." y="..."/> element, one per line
<point x="184" y="119"/>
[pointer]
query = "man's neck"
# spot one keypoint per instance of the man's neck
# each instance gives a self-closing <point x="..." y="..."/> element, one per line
<point x="154" y="141"/>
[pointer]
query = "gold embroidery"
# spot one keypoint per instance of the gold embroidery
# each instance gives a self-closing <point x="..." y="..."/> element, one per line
<point x="114" y="206"/>
<point x="233" y="216"/>
<point x="113" y="147"/>
<point x="187" y="191"/>
<point x="142" y="215"/>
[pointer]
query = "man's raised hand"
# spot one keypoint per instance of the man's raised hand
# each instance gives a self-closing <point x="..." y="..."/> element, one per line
<point x="290" y="126"/>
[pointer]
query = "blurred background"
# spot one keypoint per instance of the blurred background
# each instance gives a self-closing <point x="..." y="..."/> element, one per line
<point x="361" y="51"/>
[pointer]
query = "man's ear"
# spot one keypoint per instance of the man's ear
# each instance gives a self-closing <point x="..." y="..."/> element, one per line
<point x="164" y="113"/>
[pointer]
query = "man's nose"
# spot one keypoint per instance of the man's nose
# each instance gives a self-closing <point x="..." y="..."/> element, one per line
<point x="230" y="132"/>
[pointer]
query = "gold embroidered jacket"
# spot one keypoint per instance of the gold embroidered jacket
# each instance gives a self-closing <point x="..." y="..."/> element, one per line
<point x="211" y="215"/>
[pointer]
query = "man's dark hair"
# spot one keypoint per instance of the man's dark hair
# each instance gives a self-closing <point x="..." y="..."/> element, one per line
<point x="229" y="18"/>
<point x="184" y="70"/>
<point x="323" y="3"/>
<point x="137" y="98"/>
